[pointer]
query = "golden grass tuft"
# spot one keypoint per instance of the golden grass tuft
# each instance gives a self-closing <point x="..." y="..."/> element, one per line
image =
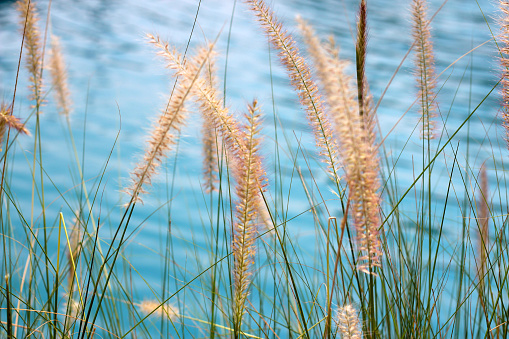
<point x="425" y="69"/>
<point x="32" y="41"/>
<point x="57" y="70"/>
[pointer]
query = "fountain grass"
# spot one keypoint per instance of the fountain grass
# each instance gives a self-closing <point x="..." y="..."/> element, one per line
<point x="376" y="268"/>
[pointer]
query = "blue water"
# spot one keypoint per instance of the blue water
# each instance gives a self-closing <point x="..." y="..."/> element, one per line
<point x="119" y="85"/>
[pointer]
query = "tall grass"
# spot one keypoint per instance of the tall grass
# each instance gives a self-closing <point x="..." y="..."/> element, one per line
<point x="368" y="264"/>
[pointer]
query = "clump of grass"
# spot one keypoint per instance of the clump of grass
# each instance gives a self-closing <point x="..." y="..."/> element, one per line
<point x="238" y="283"/>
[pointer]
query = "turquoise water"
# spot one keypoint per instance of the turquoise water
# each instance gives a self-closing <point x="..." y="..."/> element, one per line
<point x="119" y="85"/>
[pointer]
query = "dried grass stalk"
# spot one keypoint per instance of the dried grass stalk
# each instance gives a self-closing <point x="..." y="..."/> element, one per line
<point x="163" y="134"/>
<point x="28" y="20"/>
<point x="248" y="173"/>
<point x="300" y="78"/>
<point x="357" y="148"/>
<point x="58" y="72"/>
<point x="348" y="323"/>
<point x="484" y="218"/>
<point x="425" y="69"/>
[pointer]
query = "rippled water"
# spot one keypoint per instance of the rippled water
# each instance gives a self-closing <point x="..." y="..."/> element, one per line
<point x="118" y="84"/>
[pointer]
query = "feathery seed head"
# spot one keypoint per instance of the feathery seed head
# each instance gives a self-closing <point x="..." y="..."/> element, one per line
<point x="211" y="146"/>
<point x="28" y="18"/>
<point x="249" y="175"/>
<point x="347" y="321"/>
<point x="56" y="67"/>
<point x="170" y="121"/>
<point x="357" y="146"/>
<point x="425" y="69"/>
<point x="503" y="22"/>
<point x="300" y="78"/>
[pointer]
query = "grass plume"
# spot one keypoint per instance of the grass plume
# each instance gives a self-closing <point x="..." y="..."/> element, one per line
<point x="358" y="153"/>
<point x="211" y="146"/>
<point x="424" y="68"/>
<point x="504" y="61"/>
<point x="248" y="171"/>
<point x="193" y="264"/>
<point x="58" y="72"/>
<point x="360" y="57"/>
<point x="168" y="124"/>
<point x="29" y="19"/>
<point x="300" y="79"/>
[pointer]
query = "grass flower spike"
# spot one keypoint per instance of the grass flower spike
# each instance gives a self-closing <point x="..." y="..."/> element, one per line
<point x="7" y="120"/>
<point x="348" y="322"/>
<point x="300" y="78"/>
<point x="504" y="60"/>
<point x="357" y="149"/>
<point x="56" y="67"/>
<point x="424" y="69"/>
<point x="163" y="135"/>
<point x="28" y="18"/>
<point x="211" y="146"/>
<point x="210" y="102"/>
<point x="248" y="174"/>
<point x="360" y="59"/>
